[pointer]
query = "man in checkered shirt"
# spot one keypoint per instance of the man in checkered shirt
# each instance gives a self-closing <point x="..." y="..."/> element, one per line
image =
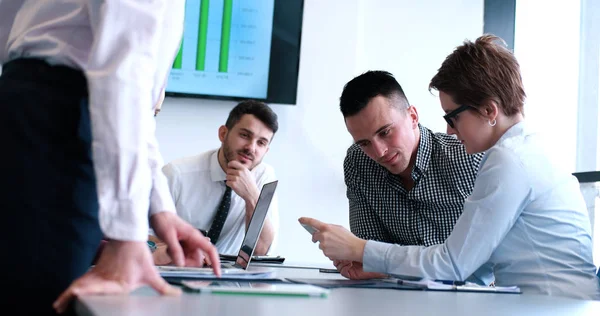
<point x="405" y="184"/>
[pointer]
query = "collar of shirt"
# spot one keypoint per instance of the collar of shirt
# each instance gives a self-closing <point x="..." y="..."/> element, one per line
<point x="216" y="172"/>
<point x="421" y="162"/>
<point x="519" y="129"/>
<point x="512" y="136"/>
<point x="423" y="154"/>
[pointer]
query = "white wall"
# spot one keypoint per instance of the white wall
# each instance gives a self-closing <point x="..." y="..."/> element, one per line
<point x="411" y="39"/>
<point x="340" y="39"/>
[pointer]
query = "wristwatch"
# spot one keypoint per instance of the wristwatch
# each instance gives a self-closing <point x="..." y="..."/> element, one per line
<point x="151" y="245"/>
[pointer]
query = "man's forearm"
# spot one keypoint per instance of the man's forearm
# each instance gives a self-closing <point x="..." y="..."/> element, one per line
<point x="265" y="240"/>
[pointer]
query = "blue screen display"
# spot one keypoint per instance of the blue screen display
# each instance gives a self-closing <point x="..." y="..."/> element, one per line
<point x="225" y="50"/>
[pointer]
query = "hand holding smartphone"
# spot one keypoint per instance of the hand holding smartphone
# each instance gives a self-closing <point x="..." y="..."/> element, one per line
<point x="310" y="229"/>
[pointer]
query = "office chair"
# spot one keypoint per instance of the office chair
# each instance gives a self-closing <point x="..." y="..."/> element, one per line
<point x="590" y="192"/>
<point x="590" y="188"/>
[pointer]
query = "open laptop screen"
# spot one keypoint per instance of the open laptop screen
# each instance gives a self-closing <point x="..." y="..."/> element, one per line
<point x="256" y="224"/>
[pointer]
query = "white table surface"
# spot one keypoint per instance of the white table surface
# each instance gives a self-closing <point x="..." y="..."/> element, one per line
<point x="342" y="302"/>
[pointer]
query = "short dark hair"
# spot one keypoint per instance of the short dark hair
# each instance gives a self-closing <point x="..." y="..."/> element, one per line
<point x="360" y="90"/>
<point x="482" y="70"/>
<point x="259" y="109"/>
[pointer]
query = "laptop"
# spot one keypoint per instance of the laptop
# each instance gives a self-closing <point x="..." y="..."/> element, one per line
<point x="248" y="244"/>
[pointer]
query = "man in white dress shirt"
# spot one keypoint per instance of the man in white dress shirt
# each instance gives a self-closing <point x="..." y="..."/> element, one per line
<point x="79" y="79"/>
<point x="199" y="182"/>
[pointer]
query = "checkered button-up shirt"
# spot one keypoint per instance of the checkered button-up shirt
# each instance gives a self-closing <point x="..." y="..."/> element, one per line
<point x="382" y="209"/>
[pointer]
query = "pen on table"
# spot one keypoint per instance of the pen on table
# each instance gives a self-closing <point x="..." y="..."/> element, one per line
<point x="405" y="283"/>
<point x="450" y="282"/>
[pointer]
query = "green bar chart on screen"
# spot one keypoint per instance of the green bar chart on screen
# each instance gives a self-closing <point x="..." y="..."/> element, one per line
<point x="179" y="58"/>
<point x="225" y="35"/>
<point x="225" y="49"/>
<point x="202" y="35"/>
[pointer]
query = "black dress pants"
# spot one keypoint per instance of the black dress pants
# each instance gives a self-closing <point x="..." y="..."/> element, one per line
<point x="49" y="229"/>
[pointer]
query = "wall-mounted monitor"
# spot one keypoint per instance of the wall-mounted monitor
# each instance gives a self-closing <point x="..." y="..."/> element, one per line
<point x="239" y="49"/>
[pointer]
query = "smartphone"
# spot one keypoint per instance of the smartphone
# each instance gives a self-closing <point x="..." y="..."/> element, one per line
<point x="328" y="270"/>
<point x="311" y="230"/>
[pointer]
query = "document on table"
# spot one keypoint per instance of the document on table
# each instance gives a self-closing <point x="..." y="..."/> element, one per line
<point x="255" y="288"/>
<point x="440" y="285"/>
<point x="207" y="273"/>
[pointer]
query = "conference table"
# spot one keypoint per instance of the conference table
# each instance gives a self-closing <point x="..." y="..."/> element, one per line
<point x="340" y="301"/>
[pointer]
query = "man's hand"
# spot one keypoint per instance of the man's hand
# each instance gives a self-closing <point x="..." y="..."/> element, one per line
<point x="123" y="266"/>
<point x="336" y="242"/>
<point x="161" y="256"/>
<point x="354" y="270"/>
<point x="185" y="244"/>
<point x="242" y="182"/>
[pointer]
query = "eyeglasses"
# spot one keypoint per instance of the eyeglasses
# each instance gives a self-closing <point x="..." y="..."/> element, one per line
<point x="450" y="116"/>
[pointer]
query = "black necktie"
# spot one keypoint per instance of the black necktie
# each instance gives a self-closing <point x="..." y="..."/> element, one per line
<point x="220" y="217"/>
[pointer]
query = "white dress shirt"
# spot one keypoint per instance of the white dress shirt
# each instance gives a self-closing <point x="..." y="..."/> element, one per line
<point x="197" y="184"/>
<point x="125" y="48"/>
<point x="525" y="221"/>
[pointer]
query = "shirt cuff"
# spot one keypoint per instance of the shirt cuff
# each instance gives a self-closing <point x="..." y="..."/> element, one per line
<point x="124" y="220"/>
<point x="374" y="256"/>
<point x="160" y="198"/>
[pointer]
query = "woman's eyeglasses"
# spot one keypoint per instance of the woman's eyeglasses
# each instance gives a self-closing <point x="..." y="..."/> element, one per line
<point x="450" y="116"/>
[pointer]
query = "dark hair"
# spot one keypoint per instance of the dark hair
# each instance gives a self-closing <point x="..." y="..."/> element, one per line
<point x="360" y="90"/>
<point x="479" y="71"/>
<point x="259" y="109"/>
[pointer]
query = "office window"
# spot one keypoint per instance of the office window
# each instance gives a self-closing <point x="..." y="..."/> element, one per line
<point x="560" y="64"/>
<point x="598" y="119"/>
<point x="596" y="225"/>
<point x="548" y="53"/>
<point x="596" y="206"/>
<point x="588" y="136"/>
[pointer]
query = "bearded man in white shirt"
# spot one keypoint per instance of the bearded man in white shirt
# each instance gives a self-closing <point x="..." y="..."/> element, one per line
<point x="198" y="183"/>
<point x="79" y="79"/>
